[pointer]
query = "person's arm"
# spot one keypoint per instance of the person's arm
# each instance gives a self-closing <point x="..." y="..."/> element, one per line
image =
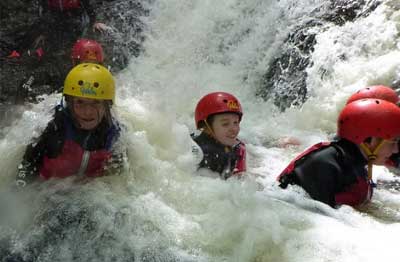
<point x="28" y="170"/>
<point x="49" y="142"/>
<point x="90" y="10"/>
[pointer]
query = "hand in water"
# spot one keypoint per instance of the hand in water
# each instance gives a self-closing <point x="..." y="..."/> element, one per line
<point x="101" y="27"/>
<point x="285" y="142"/>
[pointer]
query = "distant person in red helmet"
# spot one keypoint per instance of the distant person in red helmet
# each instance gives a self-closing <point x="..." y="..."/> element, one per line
<point x="218" y="117"/>
<point x="87" y="51"/>
<point x="62" y="22"/>
<point x="377" y="91"/>
<point x="384" y="93"/>
<point x="335" y="172"/>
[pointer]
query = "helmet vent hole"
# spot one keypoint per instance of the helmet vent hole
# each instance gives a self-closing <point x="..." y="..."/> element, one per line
<point x="97" y="67"/>
<point x="225" y="101"/>
<point x="96" y="84"/>
<point x="377" y="101"/>
<point x="85" y="65"/>
<point x="80" y="82"/>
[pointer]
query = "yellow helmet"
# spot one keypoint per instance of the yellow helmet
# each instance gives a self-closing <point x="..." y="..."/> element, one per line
<point x="89" y="80"/>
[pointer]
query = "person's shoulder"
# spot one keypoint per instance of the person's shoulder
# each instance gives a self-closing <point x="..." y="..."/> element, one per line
<point x="319" y="158"/>
<point x="202" y="139"/>
<point x="197" y="152"/>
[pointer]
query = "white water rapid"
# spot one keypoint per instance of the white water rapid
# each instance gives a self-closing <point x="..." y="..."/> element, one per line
<point x="159" y="209"/>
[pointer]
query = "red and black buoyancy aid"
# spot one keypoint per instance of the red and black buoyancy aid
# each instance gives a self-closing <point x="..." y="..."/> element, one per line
<point x="285" y="176"/>
<point x="228" y="161"/>
<point x="355" y="194"/>
<point x="63" y="5"/>
<point x="75" y="160"/>
<point x="241" y="160"/>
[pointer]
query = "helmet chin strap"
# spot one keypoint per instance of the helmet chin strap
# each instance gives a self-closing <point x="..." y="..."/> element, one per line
<point x="209" y="129"/>
<point x="372" y="155"/>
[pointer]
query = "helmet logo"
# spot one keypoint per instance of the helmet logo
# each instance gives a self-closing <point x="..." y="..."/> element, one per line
<point x="233" y="105"/>
<point x="88" y="89"/>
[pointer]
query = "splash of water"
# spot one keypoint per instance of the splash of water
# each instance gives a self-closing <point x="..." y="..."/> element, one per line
<point x="159" y="210"/>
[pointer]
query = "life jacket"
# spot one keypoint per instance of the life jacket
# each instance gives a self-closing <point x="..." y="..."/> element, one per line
<point x="227" y="161"/>
<point x="74" y="160"/>
<point x="354" y="194"/>
<point x="284" y="178"/>
<point x="241" y="160"/>
<point x="63" y="5"/>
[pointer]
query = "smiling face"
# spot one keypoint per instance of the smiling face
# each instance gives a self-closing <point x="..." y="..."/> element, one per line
<point x="226" y="128"/>
<point x="388" y="148"/>
<point x="88" y="112"/>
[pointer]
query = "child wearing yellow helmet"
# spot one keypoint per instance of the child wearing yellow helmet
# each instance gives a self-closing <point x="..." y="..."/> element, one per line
<point x="80" y="139"/>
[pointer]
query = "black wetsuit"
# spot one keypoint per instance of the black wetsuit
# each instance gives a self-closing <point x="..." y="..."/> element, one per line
<point x="216" y="156"/>
<point x="334" y="175"/>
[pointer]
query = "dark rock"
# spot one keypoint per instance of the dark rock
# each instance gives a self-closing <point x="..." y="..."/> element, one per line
<point x="285" y="80"/>
<point x="25" y="77"/>
<point x="125" y="38"/>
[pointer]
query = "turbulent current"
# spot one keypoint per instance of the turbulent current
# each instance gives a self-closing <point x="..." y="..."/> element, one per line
<point x="159" y="208"/>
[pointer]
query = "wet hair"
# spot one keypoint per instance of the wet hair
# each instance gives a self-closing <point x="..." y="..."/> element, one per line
<point x="210" y="119"/>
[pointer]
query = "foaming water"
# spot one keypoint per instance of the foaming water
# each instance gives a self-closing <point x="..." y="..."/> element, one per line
<point x="159" y="209"/>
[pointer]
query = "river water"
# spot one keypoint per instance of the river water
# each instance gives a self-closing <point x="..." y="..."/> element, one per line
<point x="159" y="209"/>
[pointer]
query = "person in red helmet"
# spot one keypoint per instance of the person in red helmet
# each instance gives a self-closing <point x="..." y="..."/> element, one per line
<point x="218" y="117"/>
<point x="384" y="93"/>
<point x="377" y="91"/>
<point x="87" y="51"/>
<point x="335" y="172"/>
<point x="61" y="23"/>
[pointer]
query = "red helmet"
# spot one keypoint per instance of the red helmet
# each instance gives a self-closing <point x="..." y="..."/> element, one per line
<point x="379" y="92"/>
<point x="369" y="118"/>
<point x="215" y="103"/>
<point x="86" y="50"/>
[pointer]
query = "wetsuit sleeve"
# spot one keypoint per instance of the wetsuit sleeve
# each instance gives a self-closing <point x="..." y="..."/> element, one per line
<point x="48" y="143"/>
<point x="318" y="175"/>
<point x="89" y="8"/>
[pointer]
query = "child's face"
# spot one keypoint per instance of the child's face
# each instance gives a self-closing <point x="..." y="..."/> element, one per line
<point x="88" y="112"/>
<point x="226" y="128"/>
<point x="388" y="148"/>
